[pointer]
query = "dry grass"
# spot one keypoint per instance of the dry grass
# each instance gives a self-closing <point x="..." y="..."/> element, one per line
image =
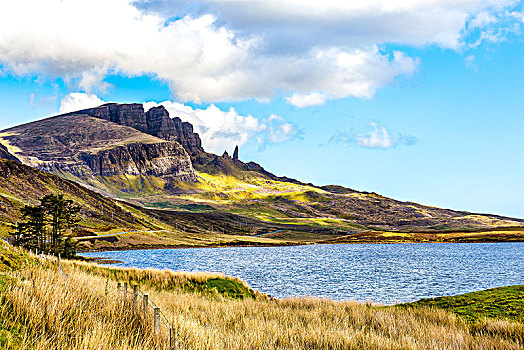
<point x="53" y="312"/>
<point x="84" y="312"/>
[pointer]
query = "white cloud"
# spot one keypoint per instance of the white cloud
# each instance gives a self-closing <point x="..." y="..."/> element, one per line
<point x="482" y="19"/>
<point x="377" y="137"/>
<point x="221" y="50"/>
<point x="277" y="130"/>
<point x="336" y="23"/>
<point x="223" y="130"/>
<point x="76" y="101"/>
<point x="306" y="100"/>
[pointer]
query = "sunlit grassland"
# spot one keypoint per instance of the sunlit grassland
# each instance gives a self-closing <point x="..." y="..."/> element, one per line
<point x="125" y="186"/>
<point x="42" y="309"/>
<point x="223" y="188"/>
<point x="266" y="213"/>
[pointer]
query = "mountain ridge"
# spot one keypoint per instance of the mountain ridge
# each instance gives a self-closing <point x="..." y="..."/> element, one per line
<point x="104" y="148"/>
<point x="157" y="122"/>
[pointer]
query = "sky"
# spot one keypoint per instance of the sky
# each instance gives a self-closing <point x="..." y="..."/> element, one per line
<point x="420" y="101"/>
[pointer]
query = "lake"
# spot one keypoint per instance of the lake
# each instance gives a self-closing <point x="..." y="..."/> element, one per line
<point x="382" y="273"/>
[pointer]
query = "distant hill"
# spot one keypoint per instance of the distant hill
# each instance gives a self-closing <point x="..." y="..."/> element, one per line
<point x="159" y="162"/>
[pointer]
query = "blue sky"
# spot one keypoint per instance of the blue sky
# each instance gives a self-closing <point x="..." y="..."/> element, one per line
<point x="421" y="101"/>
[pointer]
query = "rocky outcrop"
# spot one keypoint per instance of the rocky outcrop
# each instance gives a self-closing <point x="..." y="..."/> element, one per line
<point x="166" y="160"/>
<point x="131" y="114"/>
<point x="4" y="154"/>
<point x="156" y="122"/>
<point x="161" y="125"/>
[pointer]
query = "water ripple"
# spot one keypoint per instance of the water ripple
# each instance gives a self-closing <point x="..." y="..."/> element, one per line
<point x="384" y="273"/>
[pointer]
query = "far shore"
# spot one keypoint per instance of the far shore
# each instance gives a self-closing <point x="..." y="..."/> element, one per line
<point x="258" y="245"/>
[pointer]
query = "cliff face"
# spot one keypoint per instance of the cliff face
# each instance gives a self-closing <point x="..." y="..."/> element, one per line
<point x="102" y="154"/>
<point x="131" y="114"/>
<point x="161" y="125"/>
<point x="156" y="122"/>
<point x="166" y="160"/>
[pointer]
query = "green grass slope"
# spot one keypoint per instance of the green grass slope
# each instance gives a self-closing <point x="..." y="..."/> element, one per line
<point x="499" y="303"/>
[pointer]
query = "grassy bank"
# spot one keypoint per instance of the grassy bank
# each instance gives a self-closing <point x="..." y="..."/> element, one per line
<point x="43" y="309"/>
<point x="501" y="303"/>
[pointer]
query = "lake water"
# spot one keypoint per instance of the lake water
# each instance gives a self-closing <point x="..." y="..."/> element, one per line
<point x="383" y="273"/>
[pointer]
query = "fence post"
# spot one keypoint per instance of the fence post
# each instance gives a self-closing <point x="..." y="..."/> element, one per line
<point x="171" y="338"/>
<point x="156" y="320"/>
<point x="145" y="304"/>
<point x="135" y="294"/>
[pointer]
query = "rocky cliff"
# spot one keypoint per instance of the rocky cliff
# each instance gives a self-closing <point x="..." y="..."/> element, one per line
<point x="100" y="153"/>
<point x="4" y="154"/>
<point x="156" y="122"/>
<point x="161" y="125"/>
<point x="165" y="160"/>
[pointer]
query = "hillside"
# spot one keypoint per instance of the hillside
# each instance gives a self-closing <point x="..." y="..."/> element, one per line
<point x="21" y="185"/>
<point x="157" y="162"/>
<point x="143" y="228"/>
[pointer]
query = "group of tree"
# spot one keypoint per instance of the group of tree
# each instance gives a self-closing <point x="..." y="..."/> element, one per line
<point x="47" y="227"/>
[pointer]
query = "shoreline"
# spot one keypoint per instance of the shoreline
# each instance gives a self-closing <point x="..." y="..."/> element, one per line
<point x="118" y="249"/>
<point x="269" y="245"/>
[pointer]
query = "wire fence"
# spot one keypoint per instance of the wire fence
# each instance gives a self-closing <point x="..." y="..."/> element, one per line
<point x="161" y="324"/>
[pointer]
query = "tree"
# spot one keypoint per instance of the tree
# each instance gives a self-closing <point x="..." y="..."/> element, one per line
<point x="45" y="226"/>
<point x="31" y="233"/>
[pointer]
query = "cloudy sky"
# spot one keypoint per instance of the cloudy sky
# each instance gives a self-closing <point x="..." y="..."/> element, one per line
<point x="417" y="100"/>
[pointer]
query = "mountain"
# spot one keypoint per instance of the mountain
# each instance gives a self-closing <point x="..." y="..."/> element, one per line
<point x="158" y="161"/>
<point x="110" y="157"/>
<point x="154" y="122"/>
<point x="157" y="122"/>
